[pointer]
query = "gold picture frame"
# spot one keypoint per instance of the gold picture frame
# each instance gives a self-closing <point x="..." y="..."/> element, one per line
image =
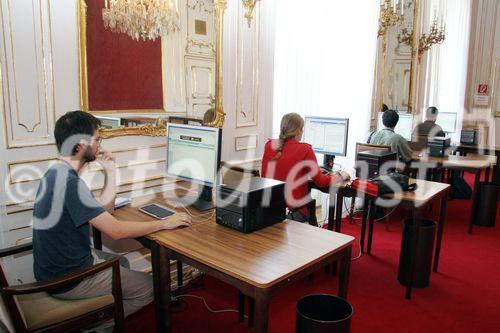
<point x="158" y="128"/>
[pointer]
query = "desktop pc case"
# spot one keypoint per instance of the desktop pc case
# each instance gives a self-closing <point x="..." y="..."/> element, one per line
<point x="243" y="206"/>
<point x="375" y="159"/>
<point x="437" y="146"/>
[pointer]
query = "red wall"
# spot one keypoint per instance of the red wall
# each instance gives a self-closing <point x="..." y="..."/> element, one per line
<point x="123" y="74"/>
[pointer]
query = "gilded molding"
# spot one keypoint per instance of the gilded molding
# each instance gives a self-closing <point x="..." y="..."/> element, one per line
<point x="220" y="115"/>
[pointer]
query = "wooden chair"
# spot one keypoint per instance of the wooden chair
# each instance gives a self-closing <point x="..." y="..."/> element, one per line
<point x="30" y="307"/>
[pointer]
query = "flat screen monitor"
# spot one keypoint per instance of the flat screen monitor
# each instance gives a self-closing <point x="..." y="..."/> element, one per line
<point x="327" y="135"/>
<point x="404" y="126"/>
<point x="447" y="121"/>
<point x="193" y="153"/>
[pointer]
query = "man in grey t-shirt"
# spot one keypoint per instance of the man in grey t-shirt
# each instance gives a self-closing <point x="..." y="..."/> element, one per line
<point x="387" y="137"/>
<point x="64" y="210"/>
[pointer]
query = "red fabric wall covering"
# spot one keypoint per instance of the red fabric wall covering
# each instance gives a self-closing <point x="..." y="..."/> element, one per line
<point x="123" y="74"/>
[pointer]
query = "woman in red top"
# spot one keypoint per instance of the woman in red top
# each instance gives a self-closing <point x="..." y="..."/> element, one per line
<point x="289" y="160"/>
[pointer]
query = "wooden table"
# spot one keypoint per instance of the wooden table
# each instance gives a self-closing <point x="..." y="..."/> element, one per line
<point x="481" y="150"/>
<point x="258" y="264"/>
<point x="473" y="164"/>
<point x="415" y="201"/>
<point x="158" y="261"/>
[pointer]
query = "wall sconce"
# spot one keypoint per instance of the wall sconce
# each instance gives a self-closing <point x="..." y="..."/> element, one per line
<point x="435" y="36"/>
<point x="249" y="6"/>
<point x="391" y="13"/>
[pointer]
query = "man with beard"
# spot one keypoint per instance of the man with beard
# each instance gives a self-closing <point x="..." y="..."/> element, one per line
<point x="64" y="209"/>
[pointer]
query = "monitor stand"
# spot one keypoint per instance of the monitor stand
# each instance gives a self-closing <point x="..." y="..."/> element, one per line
<point x="328" y="162"/>
<point x="203" y="201"/>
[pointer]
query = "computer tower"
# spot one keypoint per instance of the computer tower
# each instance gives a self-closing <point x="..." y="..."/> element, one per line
<point x="374" y="160"/>
<point x="251" y="204"/>
<point x="437" y="146"/>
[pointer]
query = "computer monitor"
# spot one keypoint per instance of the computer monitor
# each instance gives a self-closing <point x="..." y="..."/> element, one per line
<point x="404" y="126"/>
<point x="109" y="122"/>
<point x="327" y="136"/>
<point x="447" y="121"/>
<point x="193" y="154"/>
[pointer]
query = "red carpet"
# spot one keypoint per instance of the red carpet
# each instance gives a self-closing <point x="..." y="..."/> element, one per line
<point x="464" y="296"/>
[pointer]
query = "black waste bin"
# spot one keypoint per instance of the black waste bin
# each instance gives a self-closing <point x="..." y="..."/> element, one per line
<point x="323" y="313"/>
<point x="485" y="212"/>
<point x="423" y="262"/>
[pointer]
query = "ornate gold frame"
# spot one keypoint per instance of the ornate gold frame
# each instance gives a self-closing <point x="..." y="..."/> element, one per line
<point x="380" y="75"/>
<point x="159" y="128"/>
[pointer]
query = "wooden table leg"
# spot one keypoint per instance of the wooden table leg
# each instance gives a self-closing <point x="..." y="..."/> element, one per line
<point x="241" y="307"/>
<point x="442" y="218"/>
<point x="417" y="217"/>
<point x="366" y="208"/>
<point x="179" y="274"/>
<point x="161" y="288"/>
<point x="474" y="198"/>
<point x="331" y="214"/>
<point x="345" y="266"/>
<point x="251" y="311"/>
<point x="261" y="311"/>
<point x="160" y="311"/>
<point x="371" y="217"/>
<point x="338" y="210"/>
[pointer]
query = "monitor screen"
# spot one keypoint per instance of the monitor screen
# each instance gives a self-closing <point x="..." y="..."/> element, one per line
<point x="404" y="126"/>
<point x="447" y="121"/>
<point x="327" y="135"/>
<point x="193" y="153"/>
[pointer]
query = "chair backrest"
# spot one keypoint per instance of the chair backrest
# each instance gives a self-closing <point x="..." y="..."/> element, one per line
<point x="360" y="147"/>
<point x="418" y="142"/>
<point x="9" y="313"/>
<point x="235" y="173"/>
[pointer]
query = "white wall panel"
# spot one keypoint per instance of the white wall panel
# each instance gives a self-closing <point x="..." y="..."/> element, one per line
<point x="27" y="72"/>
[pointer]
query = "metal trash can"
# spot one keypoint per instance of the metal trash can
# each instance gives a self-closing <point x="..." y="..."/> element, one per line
<point x="485" y="212"/>
<point x="423" y="259"/>
<point x="323" y="313"/>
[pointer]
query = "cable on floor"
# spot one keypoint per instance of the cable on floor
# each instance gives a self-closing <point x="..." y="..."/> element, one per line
<point x="208" y="307"/>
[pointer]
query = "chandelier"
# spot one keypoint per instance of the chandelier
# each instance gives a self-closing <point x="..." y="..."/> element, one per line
<point x="141" y="19"/>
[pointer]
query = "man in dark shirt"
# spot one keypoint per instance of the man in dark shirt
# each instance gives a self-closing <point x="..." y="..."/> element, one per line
<point x="64" y="209"/>
<point x="427" y="129"/>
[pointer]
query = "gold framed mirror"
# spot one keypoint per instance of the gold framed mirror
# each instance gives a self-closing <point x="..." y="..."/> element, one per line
<point x="397" y="59"/>
<point x="193" y="89"/>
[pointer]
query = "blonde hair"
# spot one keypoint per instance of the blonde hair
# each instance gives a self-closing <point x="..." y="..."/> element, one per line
<point x="291" y="123"/>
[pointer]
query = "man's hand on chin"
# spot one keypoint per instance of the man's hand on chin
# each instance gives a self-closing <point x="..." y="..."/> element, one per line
<point x="107" y="161"/>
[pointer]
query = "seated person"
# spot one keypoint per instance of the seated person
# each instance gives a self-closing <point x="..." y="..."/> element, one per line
<point x="289" y="160"/>
<point x="387" y="137"/>
<point x="428" y="128"/>
<point x="64" y="209"/>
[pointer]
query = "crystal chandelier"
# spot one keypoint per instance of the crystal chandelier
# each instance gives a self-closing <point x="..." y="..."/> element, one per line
<point x="146" y="19"/>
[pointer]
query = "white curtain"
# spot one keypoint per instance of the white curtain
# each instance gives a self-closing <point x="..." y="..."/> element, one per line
<point x="324" y="63"/>
<point x="447" y="63"/>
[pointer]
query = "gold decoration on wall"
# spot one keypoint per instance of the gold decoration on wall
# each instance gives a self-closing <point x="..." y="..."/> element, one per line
<point x="220" y="115"/>
<point x="249" y="6"/>
<point x="435" y="36"/>
<point x="391" y="13"/>
<point x="156" y="129"/>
